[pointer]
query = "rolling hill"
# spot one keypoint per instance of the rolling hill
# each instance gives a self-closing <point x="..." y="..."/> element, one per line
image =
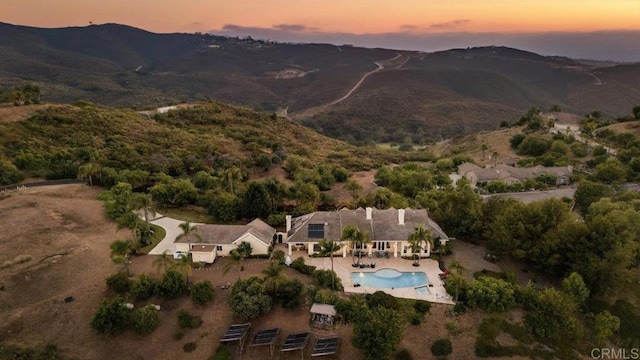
<point x="422" y="96"/>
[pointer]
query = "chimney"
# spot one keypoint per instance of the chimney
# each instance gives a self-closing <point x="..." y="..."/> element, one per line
<point x="288" y="220"/>
<point x="400" y="216"/>
<point x="369" y="210"/>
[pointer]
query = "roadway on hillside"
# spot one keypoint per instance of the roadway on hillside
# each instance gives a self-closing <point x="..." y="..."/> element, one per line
<point x="381" y="65"/>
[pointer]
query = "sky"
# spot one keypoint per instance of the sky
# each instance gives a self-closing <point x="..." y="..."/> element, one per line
<point x="598" y="29"/>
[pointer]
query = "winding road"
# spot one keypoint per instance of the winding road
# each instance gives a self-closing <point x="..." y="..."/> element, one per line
<point x="381" y="64"/>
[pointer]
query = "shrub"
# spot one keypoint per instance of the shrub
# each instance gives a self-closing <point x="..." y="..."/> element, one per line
<point x="403" y="354"/>
<point x="323" y="278"/>
<point x="382" y="299"/>
<point x="119" y="283"/>
<point x="416" y="319"/>
<point x="289" y="292"/>
<point x="441" y="347"/>
<point x="189" y="347"/>
<point x="278" y="256"/>
<point x="422" y="306"/>
<point x="492" y="294"/>
<point x="202" y="292"/>
<point x="300" y="266"/>
<point x="112" y="316"/>
<point x="222" y="353"/>
<point x="173" y="284"/>
<point x="178" y="335"/>
<point x="186" y="320"/>
<point x="322" y="296"/>
<point x="248" y="299"/>
<point x="144" y="287"/>
<point x="459" y="308"/>
<point x="145" y="320"/>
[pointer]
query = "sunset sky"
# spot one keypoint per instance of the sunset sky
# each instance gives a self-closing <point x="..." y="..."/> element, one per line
<point x="407" y="23"/>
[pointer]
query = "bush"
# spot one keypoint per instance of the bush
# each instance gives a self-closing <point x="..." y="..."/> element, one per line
<point x="441" y="347"/>
<point x="459" y="308"/>
<point x="186" y="320"/>
<point x="189" y="347"/>
<point x="422" y="306"/>
<point x="289" y="292"/>
<point x="144" y="287"/>
<point x="382" y="299"/>
<point x="322" y="296"/>
<point x="119" y="283"/>
<point x="278" y="256"/>
<point x="300" y="266"/>
<point x="491" y="294"/>
<point x="403" y="354"/>
<point x="324" y="278"/>
<point x="49" y="352"/>
<point x="112" y="316"/>
<point x="222" y="353"/>
<point x="173" y="284"/>
<point x="248" y="299"/>
<point x="145" y="320"/>
<point x="202" y="292"/>
<point x="416" y="319"/>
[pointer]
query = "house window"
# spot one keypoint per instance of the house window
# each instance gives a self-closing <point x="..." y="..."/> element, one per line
<point x="218" y="247"/>
<point x="316" y="231"/>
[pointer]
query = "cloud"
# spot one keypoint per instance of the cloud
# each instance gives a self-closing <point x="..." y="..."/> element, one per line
<point x="450" y="24"/>
<point x="408" y="27"/>
<point x="600" y="45"/>
<point x="290" y="27"/>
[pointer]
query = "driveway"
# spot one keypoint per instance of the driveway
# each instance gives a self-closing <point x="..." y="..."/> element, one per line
<point x="172" y="227"/>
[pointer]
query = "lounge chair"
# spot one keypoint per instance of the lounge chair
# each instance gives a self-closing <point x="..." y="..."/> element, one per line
<point x="373" y="265"/>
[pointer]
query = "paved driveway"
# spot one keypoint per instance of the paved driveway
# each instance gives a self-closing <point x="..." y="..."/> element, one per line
<point x="172" y="227"/>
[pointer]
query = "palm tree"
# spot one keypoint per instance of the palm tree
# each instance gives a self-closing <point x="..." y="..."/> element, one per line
<point x="188" y="232"/>
<point x="143" y="202"/>
<point x="328" y="247"/>
<point x="120" y="252"/>
<point x="272" y="277"/>
<point x="236" y="258"/>
<point x="420" y="238"/>
<point x="88" y="171"/>
<point x="232" y="176"/>
<point x="162" y="260"/>
<point x="185" y="264"/>
<point x="356" y="238"/>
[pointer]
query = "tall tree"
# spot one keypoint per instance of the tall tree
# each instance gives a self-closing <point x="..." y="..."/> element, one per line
<point x="188" y="232"/>
<point x="143" y="202"/>
<point x="89" y="171"/>
<point x="272" y="275"/>
<point x="163" y="260"/>
<point x="357" y="239"/>
<point x="186" y="265"/>
<point x="120" y="252"/>
<point x="329" y="247"/>
<point x="420" y="238"/>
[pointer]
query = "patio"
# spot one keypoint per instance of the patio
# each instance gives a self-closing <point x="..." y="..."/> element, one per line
<point x="343" y="268"/>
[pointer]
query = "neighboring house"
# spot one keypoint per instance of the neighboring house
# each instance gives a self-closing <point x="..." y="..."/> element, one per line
<point x="509" y="174"/>
<point x="219" y="240"/>
<point x="388" y="230"/>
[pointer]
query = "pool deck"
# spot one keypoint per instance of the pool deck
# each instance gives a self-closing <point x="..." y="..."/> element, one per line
<point x="343" y="268"/>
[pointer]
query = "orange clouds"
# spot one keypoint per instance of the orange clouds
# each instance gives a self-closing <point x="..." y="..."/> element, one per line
<point x="352" y="16"/>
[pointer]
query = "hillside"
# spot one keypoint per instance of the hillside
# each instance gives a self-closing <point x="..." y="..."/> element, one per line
<point x="428" y="95"/>
<point x="57" y="139"/>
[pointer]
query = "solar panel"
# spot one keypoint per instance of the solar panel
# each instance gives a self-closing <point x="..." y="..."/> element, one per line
<point x="235" y="332"/>
<point x="327" y="346"/>
<point x="295" y="342"/>
<point x="265" y="337"/>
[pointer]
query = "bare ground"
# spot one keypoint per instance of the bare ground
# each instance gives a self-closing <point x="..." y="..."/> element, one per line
<point x="55" y="244"/>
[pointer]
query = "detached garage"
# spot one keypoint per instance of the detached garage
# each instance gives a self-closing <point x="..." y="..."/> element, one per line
<point x="203" y="253"/>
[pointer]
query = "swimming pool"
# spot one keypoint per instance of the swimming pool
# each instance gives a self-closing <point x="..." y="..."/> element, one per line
<point x="389" y="279"/>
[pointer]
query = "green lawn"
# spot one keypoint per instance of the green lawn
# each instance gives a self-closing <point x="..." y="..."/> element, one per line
<point x="158" y="235"/>
<point x="187" y="215"/>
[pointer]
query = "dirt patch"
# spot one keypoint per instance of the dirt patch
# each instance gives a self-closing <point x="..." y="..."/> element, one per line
<point x="11" y="113"/>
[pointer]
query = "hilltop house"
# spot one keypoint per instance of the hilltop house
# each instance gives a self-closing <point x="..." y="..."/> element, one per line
<point x="388" y="230"/>
<point x="219" y="240"/>
<point x="509" y="174"/>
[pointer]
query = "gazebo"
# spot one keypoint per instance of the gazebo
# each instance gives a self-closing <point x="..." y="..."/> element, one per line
<point x="323" y="315"/>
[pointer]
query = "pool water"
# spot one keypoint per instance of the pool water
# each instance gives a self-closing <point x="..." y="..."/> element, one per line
<point x="389" y="279"/>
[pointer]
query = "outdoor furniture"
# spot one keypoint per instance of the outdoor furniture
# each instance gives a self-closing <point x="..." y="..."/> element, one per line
<point x="373" y="265"/>
<point x="323" y="315"/>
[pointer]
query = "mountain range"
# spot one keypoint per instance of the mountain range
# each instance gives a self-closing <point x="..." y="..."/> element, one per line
<point x="353" y="93"/>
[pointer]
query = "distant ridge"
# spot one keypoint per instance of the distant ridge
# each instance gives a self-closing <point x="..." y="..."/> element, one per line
<point x="425" y="96"/>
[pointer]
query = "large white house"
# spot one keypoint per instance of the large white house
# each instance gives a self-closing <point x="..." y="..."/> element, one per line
<point x="219" y="240"/>
<point x="388" y="230"/>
